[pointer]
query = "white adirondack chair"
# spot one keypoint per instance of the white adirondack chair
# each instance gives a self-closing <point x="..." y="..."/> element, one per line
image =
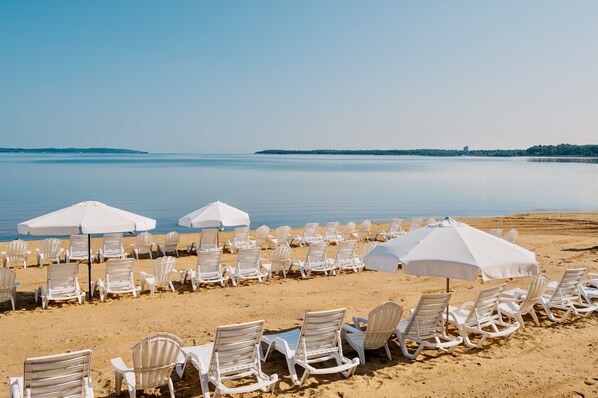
<point x="261" y="237"/>
<point x="511" y="235"/>
<point x="425" y="326"/>
<point x="315" y="261"/>
<point x="484" y="318"/>
<point x="248" y="266"/>
<point x="416" y="223"/>
<point x="163" y="269"/>
<point x="380" y="322"/>
<point x="240" y="240"/>
<point x="348" y="230"/>
<point x="154" y="359"/>
<point x="62" y="284"/>
<point x="170" y="245"/>
<point x="280" y="263"/>
<point x="78" y="248"/>
<point x="394" y="230"/>
<point x="318" y="341"/>
<point x="16" y="253"/>
<point x="345" y="258"/>
<point x="364" y="231"/>
<point x="62" y="375"/>
<point x="49" y="249"/>
<point x="283" y="234"/>
<point x="568" y="296"/>
<point x="112" y="247"/>
<point x="8" y="286"/>
<point x="517" y="305"/>
<point x="233" y="355"/>
<point x="331" y="234"/>
<point x="118" y="279"/>
<point x="309" y="235"/>
<point x="209" y="270"/>
<point x="143" y="245"/>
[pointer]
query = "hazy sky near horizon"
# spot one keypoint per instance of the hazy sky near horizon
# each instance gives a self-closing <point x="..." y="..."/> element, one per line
<point x="239" y="76"/>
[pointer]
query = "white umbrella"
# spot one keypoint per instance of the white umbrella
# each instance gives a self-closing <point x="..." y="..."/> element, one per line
<point x="87" y="217"/>
<point x="214" y="215"/>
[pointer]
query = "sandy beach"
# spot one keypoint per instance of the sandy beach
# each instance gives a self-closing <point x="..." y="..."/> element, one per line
<point x="556" y="360"/>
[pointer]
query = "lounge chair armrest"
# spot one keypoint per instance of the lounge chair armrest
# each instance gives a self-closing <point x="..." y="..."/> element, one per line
<point x="197" y="363"/>
<point x="357" y="321"/>
<point x="15" y="384"/>
<point x="119" y="365"/>
<point x="351" y="329"/>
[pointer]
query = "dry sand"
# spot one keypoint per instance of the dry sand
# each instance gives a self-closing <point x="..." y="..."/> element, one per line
<point x="551" y="360"/>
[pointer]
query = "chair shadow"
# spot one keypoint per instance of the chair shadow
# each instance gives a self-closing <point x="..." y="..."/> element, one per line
<point x="581" y="249"/>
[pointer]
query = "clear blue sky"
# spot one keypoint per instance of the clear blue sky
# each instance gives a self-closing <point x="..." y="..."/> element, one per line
<point x="239" y="76"/>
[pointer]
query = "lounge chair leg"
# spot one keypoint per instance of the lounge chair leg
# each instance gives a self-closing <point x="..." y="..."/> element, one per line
<point x="387" y="349"/>
<point x="171" y="388"/>
<point x="118" y="380"/>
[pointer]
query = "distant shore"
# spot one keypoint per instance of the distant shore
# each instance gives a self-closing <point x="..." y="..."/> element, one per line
<point x="73" y="150"/>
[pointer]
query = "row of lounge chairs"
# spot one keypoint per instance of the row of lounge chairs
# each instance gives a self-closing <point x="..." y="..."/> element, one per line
<point x="238" y="350"/>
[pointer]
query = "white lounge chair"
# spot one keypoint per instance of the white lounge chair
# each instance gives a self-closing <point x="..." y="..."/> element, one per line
<point x="62" y="375"/>
<point x="394" y="231"/>
<point x="568" y="296"/>
<point x="16" y="253"/>
<point x="233" y="355"/>
<point x="240" y="240"/>
<point x="154" y="359"/>
<point x="143" y="245"/>
<point x="280" y="263"/>
<point x="511" y="235"/>
<point x="112" y="247"/>
<point x="315" y="261"/>
<point x="331" y="234"/>
<point x="209" y="270"/>
<point x="345" y="258"/>
<point x="310" y="234"/>
<point x="380" y="324"/>
<point x="78" y="248"/>
<point x="118" y="279"/>
<point x="416" y="223"/>
<point x="364" y="231"/>
<point x="208" y="240"/>
<point x="283" y="234"/>
<point x="318" y="341"/>
<point x="261" y="236"/>
<point x="248" y="266"/>
<point x="484" y="317"/>
<point x="348" y="230"/>
<point x="49" y="249"/>
<point x="170" y="245"/>
<point x="62" y="284"/>
<point x="8" y="286"/>
<point x="425" y="326"/>
<point x="496" y="232"/>
<point x="163" y="269"/>
<point x="517" y="305"/>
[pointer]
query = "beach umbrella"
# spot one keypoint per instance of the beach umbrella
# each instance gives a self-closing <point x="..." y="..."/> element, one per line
<point x="215" y="215"/>
<point x="88" y="218"/>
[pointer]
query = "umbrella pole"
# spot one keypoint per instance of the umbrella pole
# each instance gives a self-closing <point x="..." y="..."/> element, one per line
<point x="89" y="264"/>
<point x="447" y="307"/>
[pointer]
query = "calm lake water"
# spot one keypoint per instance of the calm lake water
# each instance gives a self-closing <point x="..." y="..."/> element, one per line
<point x="277" y="190"/>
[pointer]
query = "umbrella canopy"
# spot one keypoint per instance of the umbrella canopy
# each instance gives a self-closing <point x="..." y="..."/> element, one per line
<point x="216" y="214"/>
<point x="87" y="217"/>
<point x="452" y="249"/>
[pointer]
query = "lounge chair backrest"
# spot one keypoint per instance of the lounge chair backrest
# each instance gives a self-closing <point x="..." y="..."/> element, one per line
<point x="364" y="228"/>
<point x="208" y="262"/>
<point x="316" y="254"/>
<point x="62" y="375"/>
<point x="261" y="235"/>
<point x="63" y="278"/>
<point x="154" y="359"/>
<point x="209" y="239"/>
<point x="171" y="240"/>
<point x="348" y="230"/>
<point x="17" y="247"/>
<point x="236" y="349"/>
<point x="496" y="232"/>
<point x="50" y="248"/>
<point x="332" y="230"/>
<point x="368" y="247"/>
<point x="485" y="308"/>
<point x="7" y="284"/>
<point x="310" y="231"/>
<point x="415" y="224"/>
<point x="113" y="243"/>
<point x="511" y="235"/>
<point x="320" y="334"/>
<point x="162" y="269"/>
<point x="119" y="272"/>
<point x="78" y="246"/>
<point x="396" y="226"/>
<point x="241" y="235"/>
<point x="535" y="291"/>
<point x="381" y="322"/>
<point x="144" y="240"/>
<point x="425" y="320"/>
<point x="346" y="251"/>
<point x="282" y="235"/>
<point x="248" y="259"/>
<point x="568" y="288"/>
<point x="281" y="258"/>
